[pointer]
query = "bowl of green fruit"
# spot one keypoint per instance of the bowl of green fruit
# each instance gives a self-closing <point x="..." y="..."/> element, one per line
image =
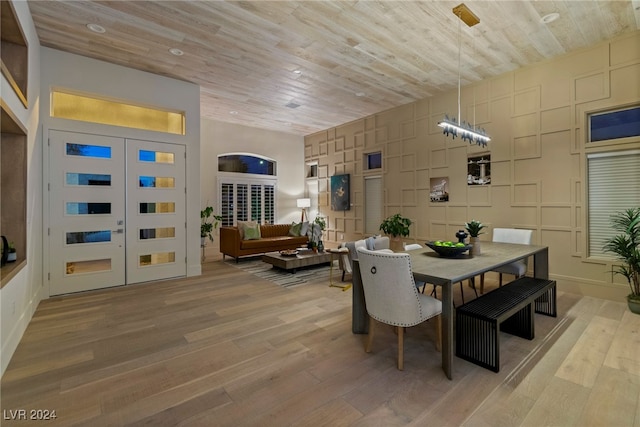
<point x="447" y="248"/>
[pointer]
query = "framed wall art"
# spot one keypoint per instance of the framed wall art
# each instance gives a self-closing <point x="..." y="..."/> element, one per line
<point x="340" y="200"/>
<point x="479" y="170"/>
<point x="439" y="189"/>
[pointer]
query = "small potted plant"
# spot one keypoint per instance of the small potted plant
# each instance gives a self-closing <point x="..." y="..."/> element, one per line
<point x="626" y="247"/>
<point x="396" y="226"/>
<point x="315" y="233"/>
<point x="208" y="222"/>
<point x="474" y="228"/>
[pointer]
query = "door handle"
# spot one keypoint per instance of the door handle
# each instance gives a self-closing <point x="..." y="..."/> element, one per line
<point x="119" y="231"/>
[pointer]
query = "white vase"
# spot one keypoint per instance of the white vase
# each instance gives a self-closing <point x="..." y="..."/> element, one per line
<point x="475" y="246"/>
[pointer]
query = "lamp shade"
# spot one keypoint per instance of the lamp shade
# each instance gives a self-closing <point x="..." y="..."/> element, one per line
<point x="303" y="203"/>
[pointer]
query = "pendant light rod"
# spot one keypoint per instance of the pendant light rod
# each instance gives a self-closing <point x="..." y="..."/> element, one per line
<point x="457" y="126"/>
<point x="459" y="63"/>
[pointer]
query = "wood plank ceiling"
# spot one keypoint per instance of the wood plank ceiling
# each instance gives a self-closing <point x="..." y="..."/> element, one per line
<point x="353" y="58"/>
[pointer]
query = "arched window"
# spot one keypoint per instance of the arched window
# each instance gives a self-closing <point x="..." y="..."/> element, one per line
<point x="246" y="163"/>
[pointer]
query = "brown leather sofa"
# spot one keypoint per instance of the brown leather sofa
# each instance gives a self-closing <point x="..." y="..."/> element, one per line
<point x="274" y="237"/>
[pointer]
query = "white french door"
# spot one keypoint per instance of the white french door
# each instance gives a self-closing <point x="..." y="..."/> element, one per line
<point x="116" y="212"/>
<point x="156" y="219"/>
<point x="87" y="212"/>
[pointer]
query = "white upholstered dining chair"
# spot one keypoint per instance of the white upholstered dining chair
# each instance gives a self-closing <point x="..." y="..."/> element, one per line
<point x="392" y="298"/>
<point x="511" y="235"/>
<point x="372" y="243"/>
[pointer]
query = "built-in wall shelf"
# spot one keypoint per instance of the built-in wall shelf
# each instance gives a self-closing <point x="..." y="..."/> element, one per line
<point x="13" y="188"/>
<point x="14" y="51"/>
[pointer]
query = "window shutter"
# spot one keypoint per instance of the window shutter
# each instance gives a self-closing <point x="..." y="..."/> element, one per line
<point x="613" y="186"/>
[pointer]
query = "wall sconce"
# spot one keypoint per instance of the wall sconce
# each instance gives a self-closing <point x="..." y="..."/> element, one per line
<point x="303" y="204"/>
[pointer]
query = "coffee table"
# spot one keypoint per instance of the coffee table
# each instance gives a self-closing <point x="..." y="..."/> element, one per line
<point x="292" y="263"/>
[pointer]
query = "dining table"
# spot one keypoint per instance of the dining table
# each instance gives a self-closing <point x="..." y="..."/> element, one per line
<point x="429" y="267"/>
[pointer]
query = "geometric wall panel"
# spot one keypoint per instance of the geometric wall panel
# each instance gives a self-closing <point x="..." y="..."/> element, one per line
<point x="555" y="217"/>
<point x="556" y="119"/>
<point x="526" y="147"/>
<point x="591" y="88"/>
<point x="525" y="194"/>
<point x="525" y="125"/>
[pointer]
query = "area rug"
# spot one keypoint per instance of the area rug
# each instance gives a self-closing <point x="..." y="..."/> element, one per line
<point x="284" y="278"/>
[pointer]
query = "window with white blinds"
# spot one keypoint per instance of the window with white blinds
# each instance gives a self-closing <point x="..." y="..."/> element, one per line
<point x="373" y="204"/>
<point x="243" y="201"/>
<point x="227" y="204"/>
<point x="256" y="202"/>
<point x="269" y="204"/>
<point x="613" y="186"/>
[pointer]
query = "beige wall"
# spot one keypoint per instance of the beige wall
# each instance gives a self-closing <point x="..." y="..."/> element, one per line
<point x="19" y="298"/>
<point x="536" y="117"/>
<point x="88" y="76"/>
<point x="286" y="149"/>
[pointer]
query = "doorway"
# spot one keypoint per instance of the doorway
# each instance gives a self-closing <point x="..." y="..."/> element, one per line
<point x="116" y="211"/>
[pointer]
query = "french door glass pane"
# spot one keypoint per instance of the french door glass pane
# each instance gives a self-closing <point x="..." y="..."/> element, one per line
<point x="88" y="179"/>
<point x="157" y="207"/>
<point x="90" y="266"/>
<point x="157" y="258"/>
<point x="77" y="237"/>
<point x="88" y="208"/>
<point x="85" y="150"/>
<point x="156" y="182"/>
<point x="155" y="156"/>
<point x="157" y="233"/>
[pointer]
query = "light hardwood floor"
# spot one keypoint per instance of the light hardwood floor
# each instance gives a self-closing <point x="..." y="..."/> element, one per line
<point x="228" y="349"/>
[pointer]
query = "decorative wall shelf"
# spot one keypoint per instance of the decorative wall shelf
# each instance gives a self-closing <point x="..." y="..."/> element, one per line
<point x="13" y="188"/>
<point x="14" y="51"/>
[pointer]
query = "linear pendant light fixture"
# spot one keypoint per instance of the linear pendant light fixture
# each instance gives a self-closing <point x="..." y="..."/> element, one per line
<point x="466" y="131"/>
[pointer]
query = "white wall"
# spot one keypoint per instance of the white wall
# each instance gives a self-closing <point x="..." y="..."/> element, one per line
<point x="20" y="297"/>
<point x="286" y="149"/>
<point x="85" y="75"/>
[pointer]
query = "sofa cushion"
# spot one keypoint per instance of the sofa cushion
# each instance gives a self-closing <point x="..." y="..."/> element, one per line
<point x="244" y="225"/>
<point x="251" y="232"/>
<point x="304" y="228"/>
<point x="294" y="231"/>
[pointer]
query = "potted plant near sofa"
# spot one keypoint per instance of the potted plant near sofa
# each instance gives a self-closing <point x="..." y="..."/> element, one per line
<point x="315" y="233"/>
<point x="626" y="247"/>
<point x="474" y="228"/>
<point x="208" y="222"/>
<point x="396" y="226"/>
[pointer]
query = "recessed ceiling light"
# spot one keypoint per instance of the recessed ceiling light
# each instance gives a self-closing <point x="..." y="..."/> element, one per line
<point x="297" y="71"/>
<point x="547" y="19"/>
<point x="360" y="94"/>
<point x="233" y="112"/>
<point x="175" y="51"/>
<point x="96" y="28"/>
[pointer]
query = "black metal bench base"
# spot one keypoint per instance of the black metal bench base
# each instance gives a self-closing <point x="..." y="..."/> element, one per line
<point x="510" y="308"/>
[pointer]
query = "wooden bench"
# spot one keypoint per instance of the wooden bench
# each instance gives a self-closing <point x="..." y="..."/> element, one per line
<point x="509" y="308"/>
